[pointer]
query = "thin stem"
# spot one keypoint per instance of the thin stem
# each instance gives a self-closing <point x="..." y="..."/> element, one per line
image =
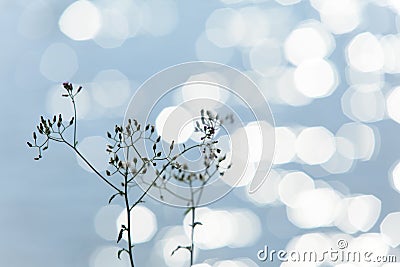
<point x="200" y="190"/>
<point x="192" y="236"/>
<point x="76" y="120"/>
<point x="128" y="212"/>
<point x="94" y="169"/>
<point x="87" y="163"/>
<point x="158" y="176"/>
<point x="193" y="225"/>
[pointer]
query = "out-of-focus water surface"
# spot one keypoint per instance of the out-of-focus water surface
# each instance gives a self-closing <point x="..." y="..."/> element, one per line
<point x="328" y="68"/>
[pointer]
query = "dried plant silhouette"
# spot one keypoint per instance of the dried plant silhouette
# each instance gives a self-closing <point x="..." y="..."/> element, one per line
<point x="137" y="151"/>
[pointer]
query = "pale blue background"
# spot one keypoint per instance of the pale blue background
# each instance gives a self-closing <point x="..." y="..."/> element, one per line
<point x="48" y="207"/>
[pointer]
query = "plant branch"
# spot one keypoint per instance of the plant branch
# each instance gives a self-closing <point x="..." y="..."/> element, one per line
<point x="128" y="213"/>
<point x="162" y="170"/>
<point x="53" y="130"/>
<point x="76" y="120"/>
<point x="62" y="140"/>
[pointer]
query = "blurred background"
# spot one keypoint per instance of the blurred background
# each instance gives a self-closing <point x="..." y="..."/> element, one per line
<point x="329" y="69"/>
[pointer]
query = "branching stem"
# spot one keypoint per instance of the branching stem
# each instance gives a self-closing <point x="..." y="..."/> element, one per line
<point x="53" y="130"/>
<point x="62" y="140"/>
<point x="128" y="214"/>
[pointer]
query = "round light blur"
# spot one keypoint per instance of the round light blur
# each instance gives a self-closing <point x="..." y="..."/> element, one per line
<point x="361" y="136"/>
<point x="256" y="23"/>
<point x="390" y="229"/>
<point x="80" y="21"/>
<point x="225" y="27"/>
<point x="339" y="163"/>
<point x="363" y="106"/>
<point x="392" y="101"/>
<point x="268" y="193"/>
<point x="104" y="221"/>
<point x="253" y="133"/>
<point x="159" y="17"/>
<point x="288" y="2"/>
<point x="314" y="208"/>
<point x="217" y="228"/>
<point x="390" y="43"/>
<point x="174" y="237"/>
<point x="315" y="145"/>
<point x="395" y="176"/>
<point x="143" y="224"/>
<point x="309" y="41"/>
<point x="51" y="66"/>
<point x="266" y="57"/>
<point x="292" y="185"/>
<point x="363" y="212"/>
<point x="111" y="88"/>
<point x="339" y="16"/>
<point x="286" y="90"/>
<point x="247" y="228"/>
<point x="106" y="257"/>
<point x="316" y="78"/>
<point x="365" y="53"/>
<point x="114" y="30"/>
<point x="173" y="124"/>
<point x="285" y="140"/>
